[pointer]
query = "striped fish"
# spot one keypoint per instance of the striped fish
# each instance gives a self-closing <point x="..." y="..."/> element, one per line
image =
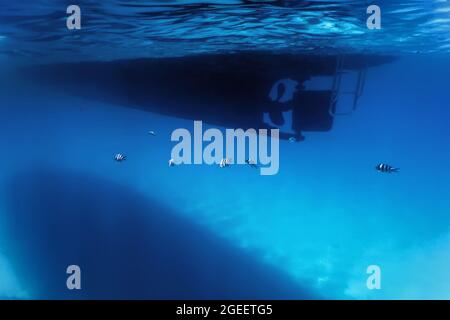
<point x="386" y="168"/>
<point x="224" y="163"/>
<point x="251" y="163"/>
<point x="120" y="157"/>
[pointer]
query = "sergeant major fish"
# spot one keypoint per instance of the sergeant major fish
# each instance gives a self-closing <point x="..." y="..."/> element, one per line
<point x="251" y="163"/>
<point x="386" y="168"/>
<point x="120" y="157"/>
<point x="225" y="163"/>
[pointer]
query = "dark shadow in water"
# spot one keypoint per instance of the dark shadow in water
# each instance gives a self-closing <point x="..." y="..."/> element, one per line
<point x="127" y="245"/>
<point x="229" y="90"/>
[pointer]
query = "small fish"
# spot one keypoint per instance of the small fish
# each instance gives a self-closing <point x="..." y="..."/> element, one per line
<point x="292" y="139"/>
<point x="251" y="163"/>
<point x="224" y="163"/>
<point x="120" y="157"/>
<point x="386" y="168"/>
<point x="152" y="133"/>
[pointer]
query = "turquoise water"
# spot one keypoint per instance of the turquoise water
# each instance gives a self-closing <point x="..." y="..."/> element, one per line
<point x="170" y="232"/>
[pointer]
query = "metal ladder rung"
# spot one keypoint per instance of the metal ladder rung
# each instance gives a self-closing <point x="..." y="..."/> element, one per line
<point x="335" y="90"/>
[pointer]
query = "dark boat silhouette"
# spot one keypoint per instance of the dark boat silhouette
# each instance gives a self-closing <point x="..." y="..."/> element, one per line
<point x="236" y="90"/>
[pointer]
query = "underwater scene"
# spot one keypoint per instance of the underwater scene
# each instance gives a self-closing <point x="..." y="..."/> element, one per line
<point x="224" y="149"/>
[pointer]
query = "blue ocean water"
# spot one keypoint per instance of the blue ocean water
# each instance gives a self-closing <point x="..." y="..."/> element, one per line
<point x="143" y="230"/>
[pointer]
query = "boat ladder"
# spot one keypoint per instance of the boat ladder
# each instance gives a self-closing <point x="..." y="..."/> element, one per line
<point x="336" y="91"/>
